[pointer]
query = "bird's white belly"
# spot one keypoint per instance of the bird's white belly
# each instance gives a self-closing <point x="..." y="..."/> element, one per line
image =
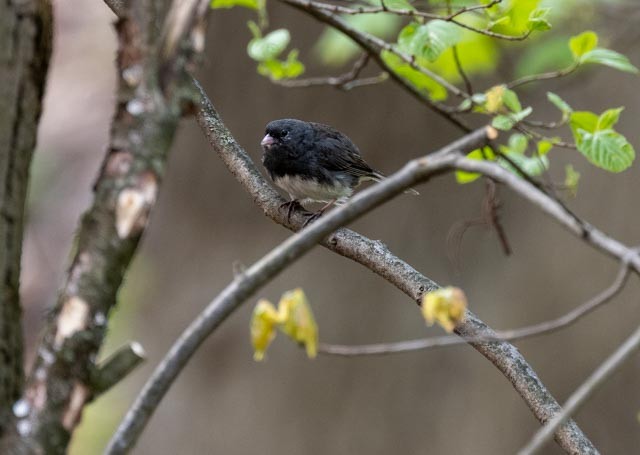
<point x="310" y="189"/>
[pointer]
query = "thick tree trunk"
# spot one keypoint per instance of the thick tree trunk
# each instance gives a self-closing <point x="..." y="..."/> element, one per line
<point x="25" y="47"/>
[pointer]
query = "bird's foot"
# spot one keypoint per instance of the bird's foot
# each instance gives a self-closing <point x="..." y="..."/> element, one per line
<point x="291" y="206"/>
<point x="312" y="217"/>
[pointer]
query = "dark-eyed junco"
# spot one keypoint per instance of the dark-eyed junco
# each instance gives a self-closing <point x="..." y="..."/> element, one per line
<point x="314" y="162"/>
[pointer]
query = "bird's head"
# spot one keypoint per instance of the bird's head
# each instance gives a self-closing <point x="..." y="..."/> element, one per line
<point x="286" y="136"/>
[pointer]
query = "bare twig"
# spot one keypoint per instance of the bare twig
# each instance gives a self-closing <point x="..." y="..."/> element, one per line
<point x="345" y="81"/>
<point x="588" y="233"/>
<point x="543" y="76"/>
<point x="542" y="328"/>
<point x="117" y="367"/>
<point x="418" y="14"/>
<point x="582" y="393"/>
<point x="376" y="257"/>
<point x="265" y="269"/>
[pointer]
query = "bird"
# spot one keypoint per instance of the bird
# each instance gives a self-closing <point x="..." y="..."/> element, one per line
<point x="314" y="162"/>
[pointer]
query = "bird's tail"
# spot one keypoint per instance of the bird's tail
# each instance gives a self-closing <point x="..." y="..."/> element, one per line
<point x="378" y="176"/>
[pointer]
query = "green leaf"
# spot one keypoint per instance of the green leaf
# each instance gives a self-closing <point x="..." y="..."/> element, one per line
<point x="506" y="122"/>
<point x="547" y="54"/>
<point x="502" y="122"/>
<point x="582" y="120"/>
<point x="610" y="58"/>
<point x="510" y="99"/>
<point x="420" y="81"/>
<point x="518" y="143"/>
<point x="270" y="46"/>
<point x="544" y="146"/>
<point x="279" y="69"/>
<point x="609" y="118"/>
<point x="583" y="43"/>
<point x="571" y="179"/>
<point x="504" y="20"/>
<point x="519" y="14"/>
<point x="559" y="103"/>
<point x="532" y="166"/>
<point x="428" y="40"/>
<point x="479" y="155"/>
<point x="538" y="19"/>
<point x="251" y="4"/>
<point x="606" y="149"/>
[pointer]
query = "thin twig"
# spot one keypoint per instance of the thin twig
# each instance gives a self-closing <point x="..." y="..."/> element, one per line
<point x="541" y="328"/>
<point x="415" y="14"/>
<point x="542" y="76"/>
<point x="264" y="270"/>
<point x="582" y="393"/>
<point x="587" y="232"/>
<point x="346" y="81"/>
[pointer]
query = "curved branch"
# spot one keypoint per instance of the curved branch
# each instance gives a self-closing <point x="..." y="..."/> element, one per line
<point x="251" y="279"/>
<point x="375" y="256"/>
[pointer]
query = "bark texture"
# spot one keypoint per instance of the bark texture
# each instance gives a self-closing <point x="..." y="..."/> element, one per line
<point x="25" y="48"/>
<point x="151" y="99"/>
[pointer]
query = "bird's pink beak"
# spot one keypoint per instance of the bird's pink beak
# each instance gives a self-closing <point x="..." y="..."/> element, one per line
<point x="267" y="141"/>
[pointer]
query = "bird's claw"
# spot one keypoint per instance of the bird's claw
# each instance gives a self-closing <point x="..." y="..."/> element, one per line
<point x="312" y="217"/>
<point x="291" y="206"/>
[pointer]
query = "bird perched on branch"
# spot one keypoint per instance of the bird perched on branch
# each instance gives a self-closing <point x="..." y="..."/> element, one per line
<point x="314" y="163"/>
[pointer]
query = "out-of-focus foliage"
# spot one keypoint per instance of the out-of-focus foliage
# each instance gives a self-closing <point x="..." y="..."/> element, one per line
<point x="267" y="49"/>
<point x="446" y="306"/>
<point x="293" y="317"/>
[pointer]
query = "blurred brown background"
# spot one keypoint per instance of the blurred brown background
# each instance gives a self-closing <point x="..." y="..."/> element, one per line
<point x="449" y="401"/>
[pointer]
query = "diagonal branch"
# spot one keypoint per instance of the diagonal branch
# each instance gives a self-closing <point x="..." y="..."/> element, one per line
<point x="265" y="269"/>
<point x="376" y="257"/>
<point x="582" y="393"/>
<point x="153" y="94"/>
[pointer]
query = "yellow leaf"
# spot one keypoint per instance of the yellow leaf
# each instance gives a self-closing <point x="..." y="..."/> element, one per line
<point x="263" y="327"/>
<point x="445" y="306"/>
<point x="494" y="99"/>
<point x="297" y="320"/>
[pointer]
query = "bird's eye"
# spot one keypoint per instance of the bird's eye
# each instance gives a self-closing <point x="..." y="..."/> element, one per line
<point x="285" y="133"/>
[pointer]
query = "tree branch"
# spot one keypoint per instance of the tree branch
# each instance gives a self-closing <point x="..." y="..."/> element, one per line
<point x="375" y="256"/>
<point x="153" y="94"/>
<point x="374" y="47"/>
<point x="582" y="393"/>
<point x="541" y="328"/>
<point x="26" y="28"/>
<point x="585" y="231"/>
<point x="265" y="269"/>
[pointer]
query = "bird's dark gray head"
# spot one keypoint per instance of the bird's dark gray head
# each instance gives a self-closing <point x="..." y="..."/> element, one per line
<point x="287" y="136"/>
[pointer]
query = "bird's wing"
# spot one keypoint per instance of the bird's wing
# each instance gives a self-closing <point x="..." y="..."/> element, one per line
<point x="336" y="152"/>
